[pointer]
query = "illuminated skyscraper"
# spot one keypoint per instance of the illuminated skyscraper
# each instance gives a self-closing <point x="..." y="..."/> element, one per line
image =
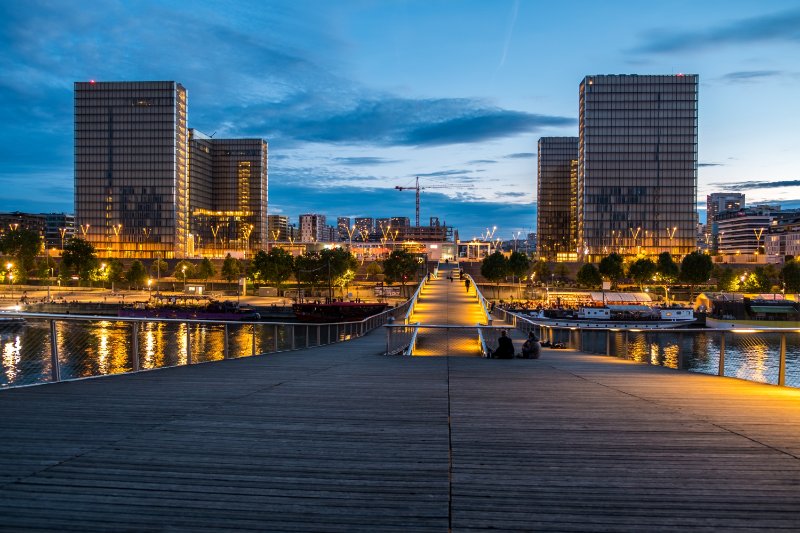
<point x="131" y="172"/>
<point x="556" y="209"/>
<point x="637" y="170"/>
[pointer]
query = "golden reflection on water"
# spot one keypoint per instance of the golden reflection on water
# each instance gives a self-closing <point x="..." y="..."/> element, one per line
<point x="756" y="352"/>
<point x="671" y="354"/>
<point x="12" y="353"/>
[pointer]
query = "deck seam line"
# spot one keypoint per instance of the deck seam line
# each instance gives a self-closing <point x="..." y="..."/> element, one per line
<point x="672" y="409"/>
<point x="449" y="455"/>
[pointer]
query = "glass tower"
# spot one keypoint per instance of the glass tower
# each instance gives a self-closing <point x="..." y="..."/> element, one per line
<point x="131" y="168"/>
<point x="556" y="190"/>
<point x="637" y="165"/>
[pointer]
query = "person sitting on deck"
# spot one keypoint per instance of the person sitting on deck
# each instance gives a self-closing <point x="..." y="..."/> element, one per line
<point x="505" y="348"/>
<point x="531" y="348"/>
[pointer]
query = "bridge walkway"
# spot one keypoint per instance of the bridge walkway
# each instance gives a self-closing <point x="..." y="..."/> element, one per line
<point x="338" y="438"/>
<point x="447" y="302"/>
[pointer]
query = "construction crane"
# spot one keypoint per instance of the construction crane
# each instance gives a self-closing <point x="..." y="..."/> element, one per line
<point x="418" y="188"/>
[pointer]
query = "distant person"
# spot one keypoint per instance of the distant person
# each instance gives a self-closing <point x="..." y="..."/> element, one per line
<point x="466" y="284"/>
<point x="531" y="348"/>
<point x="505" y="348"/>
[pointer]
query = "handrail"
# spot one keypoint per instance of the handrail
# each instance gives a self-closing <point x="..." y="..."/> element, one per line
<point x="484" y="303"/>
<point x="413" y="342"/>
<point x="482" y="340"/>
<point x="412" y="302"/>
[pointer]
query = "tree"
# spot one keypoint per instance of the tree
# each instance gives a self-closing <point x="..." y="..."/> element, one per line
<point x="184" y="270"/>
<point x="495" y="268"/>
<point x="115" y="271"/>
<point x="136" y="274"/>
<point x="696" y="268"/>
<point x="400" y="266"/>
<point x="589" y="276"/>
<point x="518" y="266"/>
<point x="339" y="263"/>
<point x="666" y="268"/>
<point x="230" y="268"/>
<point x="44" y="268"/>
<point x="726" y="279"/>
<point x="374" y="269"/>
<point x="611" y="267"/>
<point x="79" y="257"/>
<point x="541" y="271"/>
<point x="23" y="245"/>
<point x="158" y="268"/>
<point x="790" y="275"/>
<point x="273" y="267"/>
<point x="641" y="271"/>
<point x="206" y="269"/>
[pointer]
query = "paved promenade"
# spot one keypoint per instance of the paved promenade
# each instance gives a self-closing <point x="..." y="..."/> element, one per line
<point x="342" y="439"/>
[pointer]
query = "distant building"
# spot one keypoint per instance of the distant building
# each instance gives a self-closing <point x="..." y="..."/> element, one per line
<point x="131" y="167"/>
<point x="278" y="228"/>
<point x="364" y="226"/>
<point x="18" y="220"/>
<point x="343" y="228"/>
<point x="59" y="229"/>
<point x="637" y="169"/>
<point x="556" y="205"/>
<point x="717" y="203"/>
<point x="743" y="232"/>
<point x="313" y="228"/>
<point x="228" y="194"/>
<point x="783" y="239"/>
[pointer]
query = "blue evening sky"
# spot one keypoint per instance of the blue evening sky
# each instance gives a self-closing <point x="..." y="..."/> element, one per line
<point x="355" y="97"/>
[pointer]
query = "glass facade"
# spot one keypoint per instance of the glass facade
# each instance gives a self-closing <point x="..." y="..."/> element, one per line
<point x="556" y="207"/>
<point x="637" y="165"/>
<point x="228" y="194"/>
<point x="131" y="168"/>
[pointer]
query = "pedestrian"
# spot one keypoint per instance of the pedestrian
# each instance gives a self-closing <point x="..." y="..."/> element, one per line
<point x="466" y="284"/>
<point x="505" y="348"/>
<point x="531" y="348"/>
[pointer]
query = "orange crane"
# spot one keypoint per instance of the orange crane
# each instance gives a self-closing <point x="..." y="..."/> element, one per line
<point x="418" y="188"/>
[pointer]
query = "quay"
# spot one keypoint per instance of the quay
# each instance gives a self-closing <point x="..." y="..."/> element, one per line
<point x="342" y="438"/>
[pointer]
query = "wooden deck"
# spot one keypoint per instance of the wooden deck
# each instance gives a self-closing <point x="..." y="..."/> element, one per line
<point x="341" y="439"/>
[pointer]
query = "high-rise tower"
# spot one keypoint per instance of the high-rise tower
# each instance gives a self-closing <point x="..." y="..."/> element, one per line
<point x="556" y="208"/>
<point x="637" y="170"/>
<point x="131" y="194"/>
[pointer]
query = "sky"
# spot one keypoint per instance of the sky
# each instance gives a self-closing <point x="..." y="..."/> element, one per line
<point x="356" y="97"/>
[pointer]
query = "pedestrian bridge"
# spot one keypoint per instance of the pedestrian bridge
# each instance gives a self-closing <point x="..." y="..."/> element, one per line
<point x="342" y="438"/>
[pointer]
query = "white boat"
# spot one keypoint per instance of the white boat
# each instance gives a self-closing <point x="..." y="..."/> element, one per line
<point x="615" y="316"/>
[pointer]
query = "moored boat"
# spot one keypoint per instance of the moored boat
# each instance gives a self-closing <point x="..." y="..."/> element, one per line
<point x="213" y="310"/>
<point x="615" y="316"/>
<point x="336" y="311"/>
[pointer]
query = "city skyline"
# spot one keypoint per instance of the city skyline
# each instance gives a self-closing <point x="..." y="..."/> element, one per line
<point x="355" y="98"/>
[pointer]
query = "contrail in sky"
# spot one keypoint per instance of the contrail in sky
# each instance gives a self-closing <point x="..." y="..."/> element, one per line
<point x="509" y="33"/>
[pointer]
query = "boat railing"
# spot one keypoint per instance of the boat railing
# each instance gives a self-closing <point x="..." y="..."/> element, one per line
<point x="763" y="354"/>
<point x="51" y="347"/>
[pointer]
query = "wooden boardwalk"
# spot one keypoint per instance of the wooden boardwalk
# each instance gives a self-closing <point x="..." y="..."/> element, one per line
<point x="342" y="439"/>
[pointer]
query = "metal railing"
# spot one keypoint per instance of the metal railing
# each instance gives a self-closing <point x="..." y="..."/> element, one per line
<point x="412" y="302"/>
<point x="45" y="348"/>
<point x="440" y="340"/>
<point x="764" y="355"/>
<point x="485" y="305"/>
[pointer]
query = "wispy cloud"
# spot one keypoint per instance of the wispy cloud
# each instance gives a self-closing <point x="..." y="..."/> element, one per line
<point x="512" y="194"/>
<point x="445" y="173"/>
<point x="756" y="184"/>
<point x="482" y="162"/>
<point x="521" y="155"/>
<point x="746" y="76"/>
<point x="363" y="161"/>
<point x="509" y="33"/>
<point x="783" y="26"/>
<point x="711" y="164"/>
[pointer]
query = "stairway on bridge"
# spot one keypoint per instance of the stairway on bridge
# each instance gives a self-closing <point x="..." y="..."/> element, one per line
<point x="447" y="303"/>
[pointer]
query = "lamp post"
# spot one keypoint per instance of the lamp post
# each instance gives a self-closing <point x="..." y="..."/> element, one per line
<point x="671" y="233"/>
<point x="516" y="238"/>
<point x="275" y="234"/>
<point x="214" y="231"/>
<point x="247" y="230"/>
<point x="10" y="277"/>
<point x="758" y="232"/>
<point x="63" y="232"/>
<point x="350" y="232"/>
<point x="85" y="230"/>
<point x="150" y="289"/>
<point x="183" y="269"/>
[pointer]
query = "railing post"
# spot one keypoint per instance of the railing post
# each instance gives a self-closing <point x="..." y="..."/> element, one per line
<point x="308" y="336"/>
<point x="388" y="329"/>
<point x="55" y="368"/>
<point x="254" y="340"/>
<point x="319" y="335"/>
<point x="275" y="337"/>
<point x="721" y="371"/>
<point x="608" y="342"/>
<point x="135" y="346"/>
<point x="188" y="344"/>
<point x="782" y="364"/>
<point x="225" y="348"/>
<point x="291" y="330"/>
<point x="625" y="341"/>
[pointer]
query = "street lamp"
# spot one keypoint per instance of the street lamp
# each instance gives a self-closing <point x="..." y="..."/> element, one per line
<point x="758" y="232"/>
<point x="671" y="233"/>
<point x="635" y="235"/>
<point x="150" y="289"/>
<point x="10" y="276"/>
<point x="85" y="230"/>
<point x="63" y="232"/>
<point x="247" y="230"/>
<point x="183" y="269"/>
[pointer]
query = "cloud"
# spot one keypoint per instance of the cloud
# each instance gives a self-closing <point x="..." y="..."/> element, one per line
<point x="746" y="185"/>
<point x="521" y="155"/>
<point x="482" y="162"/>
<point x="512" y="194"/>
<point x="363" y="161"/>
<point x="783" y="26"/>
<point x="750" y="75"/>
<point x="444" y="173"/>
<point x="711" y="165"/>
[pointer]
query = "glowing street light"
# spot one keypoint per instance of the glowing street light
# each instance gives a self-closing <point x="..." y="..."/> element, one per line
<point x="63" y="232"/>
<point x="183" y="269"/>
<point x="85" y="229"/>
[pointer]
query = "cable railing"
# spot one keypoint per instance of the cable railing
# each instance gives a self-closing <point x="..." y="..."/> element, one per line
<point x="764" y="355"/>
<point x="44" y="348"/>
<point x="440" y="340"/>
<point x="412" y="302"/>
